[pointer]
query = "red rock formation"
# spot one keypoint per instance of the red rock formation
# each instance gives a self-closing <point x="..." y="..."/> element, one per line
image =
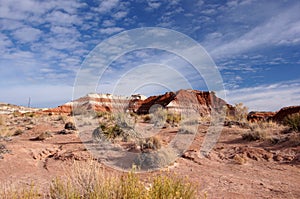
<point x="60" y="109"/>
<point x="282" y="113"/>
<point x="260" y="116"/>
<point x="198" y="101"/>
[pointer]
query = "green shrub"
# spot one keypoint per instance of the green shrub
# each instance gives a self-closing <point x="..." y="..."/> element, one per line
<point x="293" y="121"/>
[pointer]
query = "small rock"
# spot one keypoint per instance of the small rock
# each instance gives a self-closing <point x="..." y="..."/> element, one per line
<point x="42" y="136"/>
<point x="70" y="126"/>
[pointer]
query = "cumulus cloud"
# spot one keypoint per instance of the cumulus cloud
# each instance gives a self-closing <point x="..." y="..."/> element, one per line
<point x="110" y="30"/>
<point x="27" y="34"/>
<point x="107" y="6"/>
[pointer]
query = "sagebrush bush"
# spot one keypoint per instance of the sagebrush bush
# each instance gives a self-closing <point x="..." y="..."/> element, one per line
<point x="150" y="143"/>
<point x="109" y="132"/>
<point x="173" y="118"/>
<point x="253" y="135"/>
<point x="166" y="187"/>
<point x="90" y="181"/>
<point x="293" y="121"/>
<point x="159" y="117"/>
<point x="240" y="113"/>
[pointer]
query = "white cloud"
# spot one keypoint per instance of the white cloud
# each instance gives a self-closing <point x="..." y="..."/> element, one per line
<point x="107" y="6"/>
<point x="119" y="15"/>
<point x="153" y="4"/>
<point x="108" y="23"/>
<point x="27" y="34"/>
<point x="281" y="29"/>
<point x="267" y="97"/>
<point x="61" y="18"/>
<point x="110" y="30"/>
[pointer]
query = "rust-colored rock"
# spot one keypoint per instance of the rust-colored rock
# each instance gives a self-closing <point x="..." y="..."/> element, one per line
<point x="201" y="102"/>
<point x="66" y="108"/>
<point x="282" y="113"/>
<point x="260" y="116"/>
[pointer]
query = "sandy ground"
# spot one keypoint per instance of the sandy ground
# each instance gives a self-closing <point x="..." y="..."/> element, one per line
<point x="235" y="168"/>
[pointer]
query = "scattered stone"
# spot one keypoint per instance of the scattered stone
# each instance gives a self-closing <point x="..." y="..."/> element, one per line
<point x="70" y="126"/>
<point x="3" y="150"/>
<point x="18" y="132"/>
<point x="42" y="136"/>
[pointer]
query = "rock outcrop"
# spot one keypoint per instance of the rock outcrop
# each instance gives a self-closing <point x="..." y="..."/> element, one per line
<point x="282" y="113"/>
<point x="201" y="102"/>
<point x="254" y="116"/>
<point x="273" y="116"/>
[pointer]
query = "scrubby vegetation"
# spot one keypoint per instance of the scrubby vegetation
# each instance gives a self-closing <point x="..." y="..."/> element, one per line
<point x="2" y="120"/>
<point x="150" y="143"/>
<point x="293" y="121"/>
<point x="92" y="182"/>
<point x="240" y="113"/>
<point x="253" y="135"/>
<point x="89" y="181"/>
<point x="9" y="192"/>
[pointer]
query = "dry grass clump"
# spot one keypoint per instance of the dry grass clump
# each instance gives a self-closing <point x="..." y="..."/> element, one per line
<point x="239" y="159"/>
<point x="91" y="181"/>
<point x="11" y="192"/>
<point x="168" y="187"/>
<point x="151" y="143"/>
<point x="205" y="119"/>
<point x="293" y="121"/>
<point x="62" y="118"/>
<point x="294" y="139"/>
<point x="108" y="132"/>
<point x="188" y="129"/>
<point x="146" y="118"/>
<point x="29" y="114"/>
<point x="173" y="118"/>
<point x="255" y="133"/>
<point x="18" y="132"/>
<point x="240" y="113"/>
<point x="2" y="120"/>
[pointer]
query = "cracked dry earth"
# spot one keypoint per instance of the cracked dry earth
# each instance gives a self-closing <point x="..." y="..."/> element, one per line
<point x="234" y="169"/>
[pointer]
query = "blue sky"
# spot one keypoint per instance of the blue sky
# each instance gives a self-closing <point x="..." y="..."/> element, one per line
<point x="255" y="45"/>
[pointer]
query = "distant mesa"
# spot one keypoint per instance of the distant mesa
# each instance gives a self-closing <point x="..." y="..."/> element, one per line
<point x="201" y="102"/>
